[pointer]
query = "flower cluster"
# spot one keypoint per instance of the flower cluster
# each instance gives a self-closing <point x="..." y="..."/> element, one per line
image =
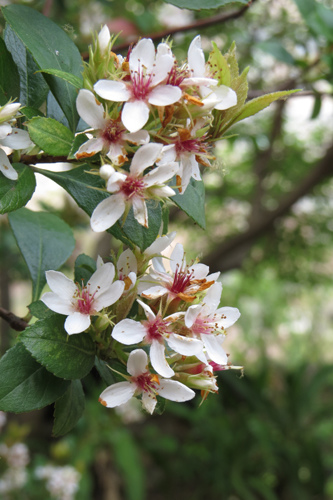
<point x="15" y="476"/>
<point x="149" y="101"/>
<point x="177" y="331"/>
<point x="61" y="482"/>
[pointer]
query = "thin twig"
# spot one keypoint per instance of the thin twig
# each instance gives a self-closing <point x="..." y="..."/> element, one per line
<point x="14" y="321"/>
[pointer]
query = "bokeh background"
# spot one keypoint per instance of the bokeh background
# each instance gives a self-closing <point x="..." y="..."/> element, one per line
<point x="268" y="434"/>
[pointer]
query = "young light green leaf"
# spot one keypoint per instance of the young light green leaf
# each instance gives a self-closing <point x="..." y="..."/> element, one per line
<point x="68" y="409"/>
<point x="66" y="356"/>
<point x="33" y="88"/>
<point x="255" y="105"/>
<point x="25" y="384"/>
<point x="51" y="136"/>
<point x="87" y="191"/>
<point x="219" y="66"/>
<point x="51" y="48"/>
<point x="9" y="77"/>
<point x="192" y="202"/>
<point x="68" y="77"/>
<point x="15" y="194"/>
<point x="45" y="242"/>
<point x="207" y="4"/>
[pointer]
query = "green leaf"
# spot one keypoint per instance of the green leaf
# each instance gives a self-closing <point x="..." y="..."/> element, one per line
<point x="30" y="112"/>
<point x="219" y="66"/>
<point x="66" y="356"/>
<point x="15" y="194"/>
<point x="316" y="107"/>
<point x="33" y="88"/>
<point x="51" y="136"/>
<point x="68" y="409"/>
<point x="86" y="189"/>
<point x="85" y="266"/>
<point x="255" y="105"/>
<point x="45" y="242"/>
<point x="68" y="77"/>
<point x="9" y="76"/>
<point x="40" y="310"/>
<point x="105" y="372"/>
<point x="51" y="48"/>
<point x="207" y="4"/>
<point x="78" y="141"/>
<point x="192" y="202"/>
<point x="318" y="18"/>
<point x="277" y="50"/>
<point x="25" y="384"/>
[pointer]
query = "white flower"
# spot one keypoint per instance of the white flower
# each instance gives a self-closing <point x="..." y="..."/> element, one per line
<point x="148" y="71"/>
<point x="221" y="97"/>
<point x="104" y="38"/>
<point x="155" y="331"/>
<point x="183" y="282"/>
<point x="141" y="381"/>
<point x="111" y="136"/>
<point x="133" y="188"/>
<point x="11" y="137"/>
<point x="80" y="303"/>
<point x="208" y="323"/>
<point x="127" y="268"/>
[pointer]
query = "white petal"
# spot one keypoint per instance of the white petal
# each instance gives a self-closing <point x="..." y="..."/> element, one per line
<point x="162" y="192"/>
<point x="89" y="148"/>
<point x="158" y="176"/>
<point x="215" y="351"/>
<point x="227" y="97"/>
<point x="213" y="297"/>
<point x="148" y="312"/>
<point x="90" y="110"/>
<point x="164" y="64"/>
<point x="155" y="292"/>
<point x="137" y="362"/>
<point x="102" y="278"/>
<point x="129" y="332"/>
<point x="112" y="91"/>
<point x="117" y="394"/>
<point x="5" y="129"/>
<point x="61" y="285"/>
<point x="135" y="115"/>
<point x="117" y="154"/>
<point x="107" y="213"/>
<point x="17" y="139"/>
<point x="145" y="157"/>
<point x="6" y="168"/>
<point x="175" y="391"/>
<point x="191" y="315"/>
<point x="77" y="323"/>
<point x="57" y="304"/>
<point x="160" y="244"/>
<point x="115" y="181"/>
<point x="200" y="271"/>
<point x="196" y="57"/>
<point x="164" y="95"/>
<point x="199" y="81"/>
<point x="186" y="346"/>
<point x="168" y="154"/>
<point x="138" y="138"/>
<point x="110" y="296"/>
<point x="104" y="38"/>
<point x="143" y="55"/>
<point x="126" y="263"/>
<point x="176" y="259"/>
<point x="158" y="361"/>
<point x="149" y="402"/>
<point x="231" y="315"/>
<point x="140" y="210"/>
<point x="9" y="110"/>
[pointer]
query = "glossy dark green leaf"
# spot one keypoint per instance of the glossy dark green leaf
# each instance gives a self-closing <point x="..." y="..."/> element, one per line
<point x="9" y="76"/>
<point x="33" y="88"/>
<point x="85" y="266"/>
<point x="106" y="374"/>
<point x="78" y="141"/>
<point x="207" y="4"/>
<point x="45" y="242"/>
<point x="192" y="202"/>
<point x="66" y="356"/>
<point x="40" y="310"/>
<point x="51" y="136"/>
<point x="87" y="191"/>
<point x="69" y="409"/>
<point x="15" y="194"/>
<point x="25" y="384"/>
<point x="51" y="48"/>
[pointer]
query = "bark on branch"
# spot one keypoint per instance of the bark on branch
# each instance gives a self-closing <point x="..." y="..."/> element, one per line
<point x="14" y="321"/>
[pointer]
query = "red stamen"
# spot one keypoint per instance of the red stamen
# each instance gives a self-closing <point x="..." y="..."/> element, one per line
<point x="132" y="186"/>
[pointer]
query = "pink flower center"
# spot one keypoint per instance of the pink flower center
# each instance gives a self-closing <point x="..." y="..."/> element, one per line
<point x="141" y="84"/>
<point x="156" y="329"/>
<point x="132" y="186"/>
<point x="189" y="146"/>
<point x="84" y="300"/>
<point x="181" y="280"/>
<point x="176" y="76"/>
<point x="146" y="382"/>
<point x="202" y="326"/>
<point x="112" y="132"/>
